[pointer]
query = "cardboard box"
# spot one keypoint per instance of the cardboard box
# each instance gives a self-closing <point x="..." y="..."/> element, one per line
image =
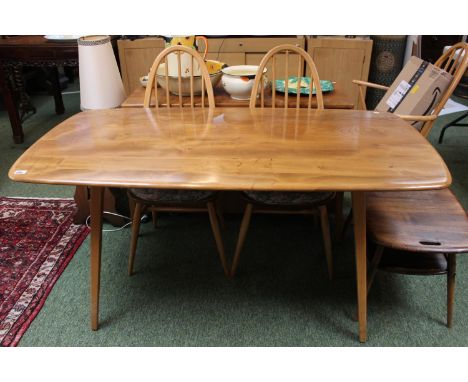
<point x="417" y="89"/>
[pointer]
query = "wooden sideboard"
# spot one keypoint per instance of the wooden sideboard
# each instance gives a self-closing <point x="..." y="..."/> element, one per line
<point x="337" y="58"/>
<point x="342" y="60"/>
<point x="136" y="56"/>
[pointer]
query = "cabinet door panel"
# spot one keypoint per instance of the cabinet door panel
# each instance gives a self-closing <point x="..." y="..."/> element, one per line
<point x="140" y="61"/>
<point x="342" y="60"/>
<point x="136" y="58"/>
<point x="340" y="65"/>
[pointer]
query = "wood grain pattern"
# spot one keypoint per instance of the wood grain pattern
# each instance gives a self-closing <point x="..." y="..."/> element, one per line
<point x="235" y="149"/>
<point x="408" y="220"/>
<point x="334" y="100"/>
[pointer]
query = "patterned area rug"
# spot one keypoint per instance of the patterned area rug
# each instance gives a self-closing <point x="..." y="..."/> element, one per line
<point x="37" y="241"/>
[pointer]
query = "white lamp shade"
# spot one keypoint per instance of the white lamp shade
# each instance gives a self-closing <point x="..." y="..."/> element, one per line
<point x="101" y="86"/>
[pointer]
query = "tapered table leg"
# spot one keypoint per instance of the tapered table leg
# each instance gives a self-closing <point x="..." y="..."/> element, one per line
<point x="359" y="211"/>
<point x="97" y="194"/>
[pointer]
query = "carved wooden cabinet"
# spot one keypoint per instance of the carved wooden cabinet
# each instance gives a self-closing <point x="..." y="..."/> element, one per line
<point x="342" y="60"/>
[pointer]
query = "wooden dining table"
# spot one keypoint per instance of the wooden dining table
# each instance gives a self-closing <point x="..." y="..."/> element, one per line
<point x="235" y="149"/>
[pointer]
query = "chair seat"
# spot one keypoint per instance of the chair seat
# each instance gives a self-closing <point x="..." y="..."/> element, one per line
<point x="152" y="195"/>
<point x="421" y="221"/>
<point x="288" y="199"/>
<point x="413" y="263"/>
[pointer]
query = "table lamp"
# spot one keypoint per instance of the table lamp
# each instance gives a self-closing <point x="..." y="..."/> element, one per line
<point x="101" y="86"/>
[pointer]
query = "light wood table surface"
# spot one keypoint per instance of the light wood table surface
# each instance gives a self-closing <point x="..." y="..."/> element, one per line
<point x="336" y="99"/>
<point x="235" y="149"/>
<point x="230" y="201"/>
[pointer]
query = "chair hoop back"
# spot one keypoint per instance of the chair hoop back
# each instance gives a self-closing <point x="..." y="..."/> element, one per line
<point x="287" y="50"/>
<point x="454" y="61"/>
<point x="153" y="83"/>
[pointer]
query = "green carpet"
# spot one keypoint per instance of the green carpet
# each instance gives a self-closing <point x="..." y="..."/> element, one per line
<point x="280" y="297"/>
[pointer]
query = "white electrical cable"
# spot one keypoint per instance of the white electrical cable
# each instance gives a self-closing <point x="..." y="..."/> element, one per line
<point x="114" y="229"/>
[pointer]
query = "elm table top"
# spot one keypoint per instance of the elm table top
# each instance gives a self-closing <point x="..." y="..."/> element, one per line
<point x="234" y="149"/>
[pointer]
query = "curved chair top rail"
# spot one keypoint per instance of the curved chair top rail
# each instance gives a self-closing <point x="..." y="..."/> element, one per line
<point x="454" y="61"/>
<point x="205" y="78"/>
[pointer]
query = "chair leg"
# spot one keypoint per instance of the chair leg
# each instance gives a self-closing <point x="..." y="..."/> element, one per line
<point x="217" y="235"/>
<point x="242" y="234"/>
<point x="374" y="266"/>
<point x="219" y="212"/>
<point x="338" y="214"/>
<point x="346" y="224"/>
<point x="451" y="272"/>
<point x="131" y="205"/>
<point x="136" y="217"/>
<point x="372" y="270"/>
<point x="326" y="239"/>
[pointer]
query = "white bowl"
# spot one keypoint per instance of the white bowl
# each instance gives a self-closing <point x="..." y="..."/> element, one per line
<point x="238" y="80"/>
<point x="144" y="81"/>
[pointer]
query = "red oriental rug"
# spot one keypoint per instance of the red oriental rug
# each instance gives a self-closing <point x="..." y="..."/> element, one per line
<point x="37" y="241"/>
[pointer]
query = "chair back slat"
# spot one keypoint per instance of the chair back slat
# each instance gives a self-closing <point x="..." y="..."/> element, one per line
<point x="192" y="104"/>
<point x="273" y="82"/>
<point x="287" y="51"/>
<point x="196" y="61"/>
<point x="203" y="93"/>
<point x="262" y="92"/>
<point x="286" y="81"/>
<point x="298" y="85"/>
<point x="155" y="93"/>
<point x="456" y="63"/>
<point x="166" y="79"/>
<point x="179" y="76"/>
<point x="449" y="61"/>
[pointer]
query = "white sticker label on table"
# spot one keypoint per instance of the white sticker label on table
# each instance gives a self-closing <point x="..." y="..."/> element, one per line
<point x="20" y="172"/>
